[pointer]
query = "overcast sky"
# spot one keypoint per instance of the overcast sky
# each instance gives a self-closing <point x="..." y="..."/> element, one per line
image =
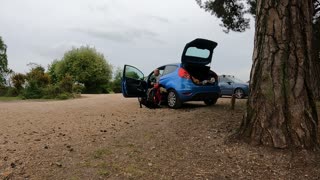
<point x="142" y="33"/>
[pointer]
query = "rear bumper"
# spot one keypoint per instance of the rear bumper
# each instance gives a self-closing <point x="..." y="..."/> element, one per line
<point x="192" y="92"/>
<point x="203" y="96"/>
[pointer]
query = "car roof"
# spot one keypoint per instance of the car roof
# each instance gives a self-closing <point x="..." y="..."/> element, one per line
<point x="173" y="64"/>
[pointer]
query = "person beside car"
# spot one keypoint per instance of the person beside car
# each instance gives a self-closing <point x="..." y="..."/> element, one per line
<point x="155" y="77"/>
<point x="154" y="81"/>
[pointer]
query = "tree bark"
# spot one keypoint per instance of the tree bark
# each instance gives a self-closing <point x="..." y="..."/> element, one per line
<point x="316" y="59"/>
<point x="281" y="110"/>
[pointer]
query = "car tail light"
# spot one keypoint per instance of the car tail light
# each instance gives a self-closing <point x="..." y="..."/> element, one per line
<point x="183" y="73"/>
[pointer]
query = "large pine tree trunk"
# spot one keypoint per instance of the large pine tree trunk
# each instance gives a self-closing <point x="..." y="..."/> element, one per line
<point x="281" y="111"/>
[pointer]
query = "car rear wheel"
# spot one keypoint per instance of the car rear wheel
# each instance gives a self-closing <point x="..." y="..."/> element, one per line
<point x="173" y="99"/>
<point x="239" y="93"/>
<point x="210" y="101"/>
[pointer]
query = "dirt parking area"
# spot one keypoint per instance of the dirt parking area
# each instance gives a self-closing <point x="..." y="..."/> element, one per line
<point x="110" y="137"/>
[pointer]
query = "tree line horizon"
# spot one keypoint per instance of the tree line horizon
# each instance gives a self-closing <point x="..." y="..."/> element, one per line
<point x="80" y="70"/>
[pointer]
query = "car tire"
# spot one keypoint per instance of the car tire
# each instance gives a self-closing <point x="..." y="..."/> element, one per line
<point x="239" y="93"/>
<point x="210" y="101"/>
<point x="173" y="99"/>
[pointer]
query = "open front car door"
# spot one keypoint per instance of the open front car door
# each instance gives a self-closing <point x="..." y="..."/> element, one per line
<point x="133" y="83"/>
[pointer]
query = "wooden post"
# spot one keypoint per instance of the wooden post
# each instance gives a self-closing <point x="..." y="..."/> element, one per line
<point x="233" y="101"/>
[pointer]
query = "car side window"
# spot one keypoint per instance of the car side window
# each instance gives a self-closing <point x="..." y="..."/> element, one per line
<point x="222" y="80"/>
<point x="133" y="73"/>
<point x="169" y="69"/>
<point x="228" y="80"/>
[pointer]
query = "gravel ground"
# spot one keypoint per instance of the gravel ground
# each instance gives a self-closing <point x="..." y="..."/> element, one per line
<point x="110" y="137"/>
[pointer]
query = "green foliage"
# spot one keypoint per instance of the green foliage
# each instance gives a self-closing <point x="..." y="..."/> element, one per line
<point x="51" y="91"/>
<point x="64" y="96"/>
<point x="3" y="90"/>
<point x="116" y="83"/>
<point x="3" y="98"/>
<point x="37" y="80"/>
<point x="18" y="80"/>
<point x="77" y="88"/>
<point x="53" y="72"/>
<point x="230" y="12"/>
<point x="32" y="90"/>
<point x="6" y="91"/>
<point x="38" y="76"/>
<point x="3" y="62"/>
<point x="12" y="92"/>
<point x="39" y="85"/>
<point x="86" y="66"/>
<point x="66" y="84"/>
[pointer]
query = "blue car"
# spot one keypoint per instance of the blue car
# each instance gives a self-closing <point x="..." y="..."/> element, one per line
<point x="190" y="80"/>
<point x="230" y="85"/>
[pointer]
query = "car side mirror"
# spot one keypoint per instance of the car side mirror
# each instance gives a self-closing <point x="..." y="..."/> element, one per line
<point x="229" y="83"/>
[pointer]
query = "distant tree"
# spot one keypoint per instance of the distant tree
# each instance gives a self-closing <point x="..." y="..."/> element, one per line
<point x="116" y="84"/>
<point x="3" y="62"/>
<point x="38" y="75"/>
<point x="281" y="111"/>
<point x="37" y="81"/>
<point x="52" y="71"/>
<point x="18" y="80"/>
<point x="66" y="84"/>
<point x="86" y="66"/>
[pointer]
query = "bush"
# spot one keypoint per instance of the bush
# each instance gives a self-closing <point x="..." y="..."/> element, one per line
<point x="3" y="90"/>
<point x="106" y="88"/>
<point x="32" y="91"/>
<point x="66" y="84"/>
<point x="12" y="92"/>
<point x="18" y="80"/>
<point x="78" y="88"/>
<point x="86" y="66"/>
<point x="116" y="87"/>
<point x="51" y="92"/>
<point x="64" y="96"/>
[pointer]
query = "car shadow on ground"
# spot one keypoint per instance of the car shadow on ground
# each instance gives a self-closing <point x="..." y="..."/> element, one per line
<point x="229" y="97"/>
<point x="192" y="105"/>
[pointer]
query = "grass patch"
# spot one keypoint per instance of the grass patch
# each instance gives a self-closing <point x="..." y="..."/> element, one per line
<point x="2" y="98"/>
<point x="98" y="154"/>
<point x="85" y="164"/>
<point x="74" y="178"/>
<point x="134" y="171"/>
<point x="103" y="172"/>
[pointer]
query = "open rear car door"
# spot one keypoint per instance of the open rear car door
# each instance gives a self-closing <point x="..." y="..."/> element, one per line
<point x="198" y="52"/>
